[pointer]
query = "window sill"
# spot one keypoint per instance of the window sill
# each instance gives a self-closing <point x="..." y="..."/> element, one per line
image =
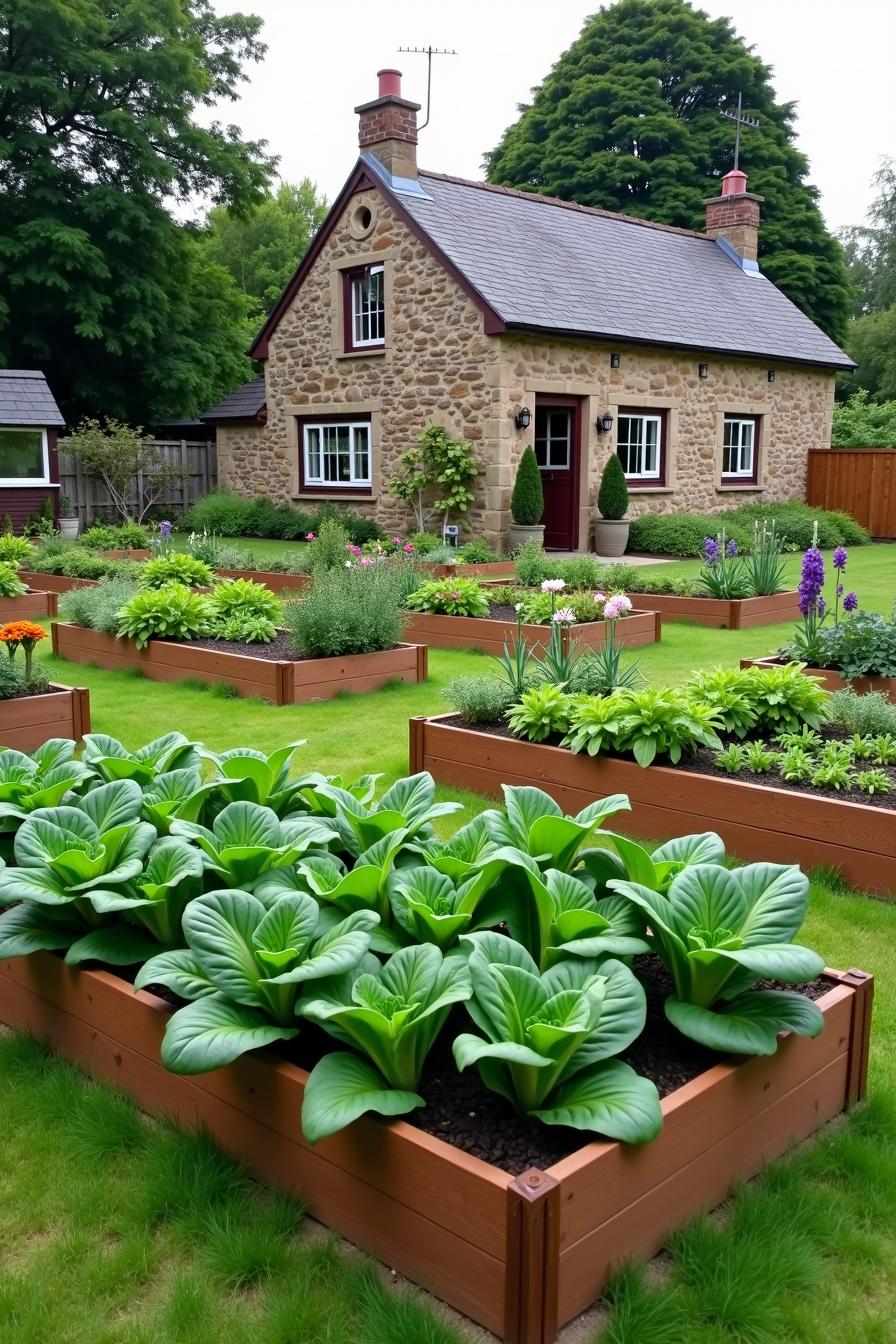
<point x="29" y="485"/>
<point x="345" y="496"/>
<point x="635" y="489"/>
<point x="376" y="353"/>
<point x="742" y="486"/>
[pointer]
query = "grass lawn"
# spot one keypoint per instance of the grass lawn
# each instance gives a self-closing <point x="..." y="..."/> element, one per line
<point x="117" y="1230"/>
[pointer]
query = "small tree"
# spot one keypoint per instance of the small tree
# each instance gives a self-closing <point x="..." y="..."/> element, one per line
<point x="436" y="463"/>
<point x="127" y="462"/>
<point x="527" y="500"/>
<point x="612" y="497"/>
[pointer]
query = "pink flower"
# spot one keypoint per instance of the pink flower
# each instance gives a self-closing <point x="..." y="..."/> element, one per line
<point x="454" y="596"/>
<point x="616" y="607"/>
<point x="408" y="548"/>
<point x="396" y="541"/>
<point x="599" y="597"/>
<point x="355" y="550"/>
<point x="564" y="616"/>
<point x="366" y="559"/>
<point x="309" y="536"/>
<point x="553" y="586"/>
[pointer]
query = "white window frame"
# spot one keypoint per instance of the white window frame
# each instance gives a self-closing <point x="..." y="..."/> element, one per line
<point x="360" y="312"/>
<point x="355" y="482"/>
<point x="652" y="476"/>
<point x="27" y="482"/>
<point x="741" y="472"/>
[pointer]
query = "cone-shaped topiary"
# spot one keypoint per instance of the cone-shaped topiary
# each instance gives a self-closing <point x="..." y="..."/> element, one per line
<point x="527" y="500"/>
<point x="612" y="497"/>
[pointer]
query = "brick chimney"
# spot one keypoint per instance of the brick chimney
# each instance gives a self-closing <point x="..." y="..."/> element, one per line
<point x="387" y="126"/>
<point x="734" y="215"/>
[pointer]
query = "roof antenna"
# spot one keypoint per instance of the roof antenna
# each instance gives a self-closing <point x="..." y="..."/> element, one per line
<point x="428" y="52"/>
<point x="741" y="119"/>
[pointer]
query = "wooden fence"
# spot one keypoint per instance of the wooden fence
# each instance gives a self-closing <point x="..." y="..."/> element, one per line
<point x="197" y="460"/>
<point x="860" y="481"/>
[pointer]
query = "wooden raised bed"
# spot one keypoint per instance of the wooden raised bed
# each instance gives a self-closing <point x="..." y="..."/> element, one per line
<point x="834" y="681"/>
<point x="30" y="720"/>
<point x="756" y="821"/>
<point x="723" y="613"/>
<point x="285" y="682"/>
<point x="480" y="632"/>
<point x="522" y="1256"/>
<point x="54" y="583"/>
<point x="33" y="605"/>
<point x="285" y="584"/>
<point x="488" y="569"/>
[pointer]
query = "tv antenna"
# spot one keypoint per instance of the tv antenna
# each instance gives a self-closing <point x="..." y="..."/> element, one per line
<point x="428" y="52"/>
<point x="741" y="119"/>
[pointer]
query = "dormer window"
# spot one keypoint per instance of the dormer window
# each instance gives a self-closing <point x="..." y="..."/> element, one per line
<point x="365" y="308"/>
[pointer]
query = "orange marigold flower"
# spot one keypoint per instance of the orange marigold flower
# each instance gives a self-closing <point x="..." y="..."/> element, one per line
<point x="16" y="631"/>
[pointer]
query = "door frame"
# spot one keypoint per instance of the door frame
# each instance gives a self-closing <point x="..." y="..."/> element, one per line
<point x="562" y="401"/>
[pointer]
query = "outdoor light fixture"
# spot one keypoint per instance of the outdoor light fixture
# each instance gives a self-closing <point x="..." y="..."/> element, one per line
<point x="523" y="418"/>
<point x="604" y="423"/>
<point x="614" y="360"/>
<point x="703" y="370"/>
<point x="771" y="375"/>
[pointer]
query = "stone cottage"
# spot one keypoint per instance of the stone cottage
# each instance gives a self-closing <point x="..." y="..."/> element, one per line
<point x="510" y="319"/>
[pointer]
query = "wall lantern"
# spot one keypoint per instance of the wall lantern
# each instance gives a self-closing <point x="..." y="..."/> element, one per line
<point x="771" y="375"/>
<point x="703" y="370"/>
<point x="604" y="423"/>
<point x="523" y="418"/>
<point x="614" y="360"/>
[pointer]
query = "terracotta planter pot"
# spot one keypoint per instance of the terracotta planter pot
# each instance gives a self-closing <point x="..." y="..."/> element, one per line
<point x="30" y="720"/>
<point x="33" y="605"/>
<point x="522" y="1256"/>
<point x="474" y="632"/>
<point x="834" y="681"/>
<point x="756" y="821"/>
<point x="740" y="613"/>
<point x="281" y="681"/>
<point x="610" y="536"/>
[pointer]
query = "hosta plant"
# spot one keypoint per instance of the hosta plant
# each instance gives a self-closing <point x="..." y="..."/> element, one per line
<point x="246" y="840"/>
<point x="543" y="711"/>
<point x="392" y="1014"/>
<point x="718" y="931"/>
<point x="172" y="612"/>
<point x="450" y="597"/>
<point x="548" y="1040"/>
<point x="176" y="567"/>
<point x="243" y="968"/>
<point x="112" y="760"/>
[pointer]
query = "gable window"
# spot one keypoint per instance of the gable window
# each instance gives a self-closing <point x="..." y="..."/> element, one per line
<point x="365" y="308"/>
<point x="640" y="444"/>
<point x="23" y="457"/>
<point x="740" y="448"/>
<point x="335" y="454"/>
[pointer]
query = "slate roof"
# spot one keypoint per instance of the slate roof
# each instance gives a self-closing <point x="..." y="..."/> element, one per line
<point x="554" y="266"/>
<point x="243" y="404"/>
<point x="25" y="399"/>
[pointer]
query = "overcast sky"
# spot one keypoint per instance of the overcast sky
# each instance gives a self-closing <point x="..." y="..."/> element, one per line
<point x="834" y="58"/>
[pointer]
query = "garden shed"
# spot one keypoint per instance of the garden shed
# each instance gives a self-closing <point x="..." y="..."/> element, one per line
<point x="30" y="422"/>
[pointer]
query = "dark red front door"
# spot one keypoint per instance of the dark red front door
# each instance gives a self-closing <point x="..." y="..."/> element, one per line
<point x="557" y="422"/>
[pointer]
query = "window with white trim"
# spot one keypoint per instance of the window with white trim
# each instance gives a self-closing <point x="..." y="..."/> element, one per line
<point x="23" y="457"/>
<point x="367" y="299"/>
<point x="739" y="448"/>
<point x="639" y="444"/>
<point x="336" y="455"/>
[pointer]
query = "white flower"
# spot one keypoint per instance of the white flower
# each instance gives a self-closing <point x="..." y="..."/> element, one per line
<point x="517" y="606"/>
<point x="553" y="586"/>
<point x="564" y="616"/>
<point x="348" y="564"/>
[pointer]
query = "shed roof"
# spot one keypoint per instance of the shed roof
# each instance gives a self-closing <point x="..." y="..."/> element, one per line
<point x="242" y="404"/>
<point x="25" y="399"/>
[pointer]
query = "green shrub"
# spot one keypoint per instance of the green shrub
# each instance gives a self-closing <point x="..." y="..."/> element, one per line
<point x="97" y="608"/>
<point x="99" y="537"/>
<point x="795" y="523"/>
<point x="294" y="562"/>
<point x="543" y="711"/>
<point x="424" y="542"/>
<point x="527" y="500"/>
<point x="12" y="683"/>
<point x="359" y="528"/>
<point x="477" y="552"/>
<point x="872" y="713"/>
<point x="356" y="610"/>
<point x="329" y="549"/>
<point x="537" y="608"/>
<point x="222" y="512"/>
<point x="172" y="612"/>
<point x="612" y="496"/>
<point x="479" y="699"/>
<point x="862" y="423"/>
<point x="80" y="564"/>
<point x="131" y="536"/>
<point x="15" y="550"/>
<point x="681" y="534"/>
<point x="10" y="583"/>
<point x="176" y="567"/>
<point x="450" y="597"/>
<point x="531" y="565"/>
<point x="244" y="611"/>
<point x="579" y="571"/>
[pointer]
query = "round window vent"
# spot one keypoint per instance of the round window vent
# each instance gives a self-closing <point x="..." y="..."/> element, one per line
<point x="362" y="221"/>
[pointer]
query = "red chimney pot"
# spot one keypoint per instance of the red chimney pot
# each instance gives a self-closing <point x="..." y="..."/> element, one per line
<point x="734" y="183"/>
<point x="390" y="84"/>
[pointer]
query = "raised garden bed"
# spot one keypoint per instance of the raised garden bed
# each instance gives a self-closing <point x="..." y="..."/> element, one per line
<point x="285" y="584"/>
<point x="724" y="613"/>
<point x="285" y="681"/>
<point x="522" y="1255"/>
<point x="491" y="634"/>
<point x="54" y="583"/>
<point x="27" y="721"/>
<point x="756" y="821"/>
<point x="36" y="603"/>
<point x="492" y="569"/>
<point x="834" y="681"/>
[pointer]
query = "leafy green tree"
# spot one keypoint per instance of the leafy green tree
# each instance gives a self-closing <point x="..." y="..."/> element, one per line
<point x="862" y="423"/>
<point x="871" y="248"/>
<point x="104" y="130"/>
<point x="261" y="249"/>
<point x="629" y="119"/>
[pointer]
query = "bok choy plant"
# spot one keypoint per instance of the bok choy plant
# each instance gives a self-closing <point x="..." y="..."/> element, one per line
<point x="42" y="779"/>
<point x="246" y="840"/>
<point x="409" y="805"/>
<point x="110" y="759"/>
<point x="548" y="1040"/>
<point x="532" y="822"/>
<point x="718" y="932"/>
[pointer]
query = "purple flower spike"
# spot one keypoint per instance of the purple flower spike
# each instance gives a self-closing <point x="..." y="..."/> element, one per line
<point x="839" y="589"/>
<point x="731" y="549"/>
<point x="839" y="559"/>
<point x="850" y="602"/>
<point x="165" y="529"/>
<point x="711" y="551"/>
<point x="821" y="606"/>
<point x="812" y="580"/>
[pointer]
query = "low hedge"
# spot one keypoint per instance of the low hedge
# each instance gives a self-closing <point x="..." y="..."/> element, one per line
<point x="683" y="534"/>
<point x="230" y="515"/>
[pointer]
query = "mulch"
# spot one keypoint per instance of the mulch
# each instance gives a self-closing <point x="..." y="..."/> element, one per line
<point x="280" y="649"/>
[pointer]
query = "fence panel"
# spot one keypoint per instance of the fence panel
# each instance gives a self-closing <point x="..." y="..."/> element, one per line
<point x="196" y="458"/>
<point x="860" y="481"/>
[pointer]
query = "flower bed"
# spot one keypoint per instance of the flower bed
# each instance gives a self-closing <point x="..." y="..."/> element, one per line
<point x="755" y="820"/>
<point x="33" y="603"/>
<point x="27" y="721"/>
<point x="283" y="681"/>
<point x="520" y="1255"/>
<point x="737" y="613"/>
<point x="831" y="680"/>
<point x="54" y="583"/>
<point x="489" y="569"/>
<point x="492" y="633"/>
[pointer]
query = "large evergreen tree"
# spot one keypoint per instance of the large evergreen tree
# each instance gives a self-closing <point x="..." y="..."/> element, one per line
<point x="871" y="247"/>
<point x="104" y="133"/>
<point x="629" y="119"/>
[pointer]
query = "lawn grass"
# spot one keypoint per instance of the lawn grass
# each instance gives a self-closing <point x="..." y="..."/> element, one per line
<point x="114" y="1228"/>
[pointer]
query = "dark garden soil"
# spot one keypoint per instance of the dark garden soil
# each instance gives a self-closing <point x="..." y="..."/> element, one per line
<point x="280" y="649"/>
